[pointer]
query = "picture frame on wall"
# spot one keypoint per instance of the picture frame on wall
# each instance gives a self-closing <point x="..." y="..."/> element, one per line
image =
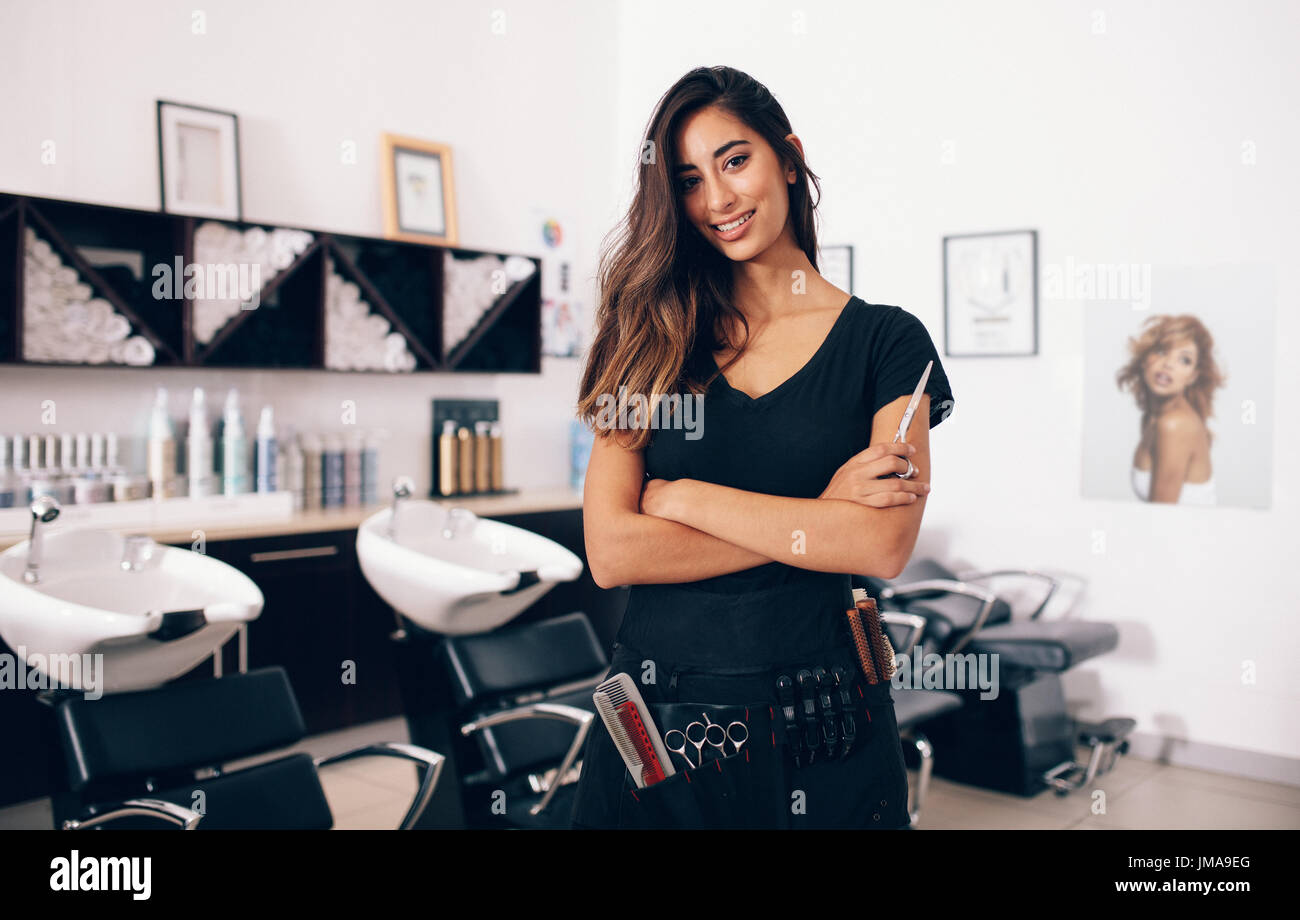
<point x="418" y="191"/>
<point x="990" y="294"/>
<point x="198" y="161"/>
<point x="836" y="266"/>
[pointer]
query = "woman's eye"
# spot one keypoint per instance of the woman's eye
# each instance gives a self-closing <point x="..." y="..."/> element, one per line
<point x="682" y="186"/>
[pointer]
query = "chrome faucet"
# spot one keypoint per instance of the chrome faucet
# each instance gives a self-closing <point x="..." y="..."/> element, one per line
<point x="402" y="488"/>
<point x="44" y="510"/>
<point x="458" y="521"/>
<point x="137" y="550"/>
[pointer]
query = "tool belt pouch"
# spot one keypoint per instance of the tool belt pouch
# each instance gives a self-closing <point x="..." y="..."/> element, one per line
<point x="743" y="789"/>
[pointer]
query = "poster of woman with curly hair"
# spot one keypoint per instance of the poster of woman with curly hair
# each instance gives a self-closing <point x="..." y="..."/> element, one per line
<point x="1180" y="395"/>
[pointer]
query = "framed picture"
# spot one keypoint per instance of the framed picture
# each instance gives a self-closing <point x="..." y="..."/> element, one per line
<point x="990" y="294"/>
<point x="836" y="265"/>
<point x="419" y="198"/>
<point x="198" y="161"/>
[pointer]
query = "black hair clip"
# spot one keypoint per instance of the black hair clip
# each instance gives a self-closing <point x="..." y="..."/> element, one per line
<point x="842" y="679"/>
<point x="785" y="696"/>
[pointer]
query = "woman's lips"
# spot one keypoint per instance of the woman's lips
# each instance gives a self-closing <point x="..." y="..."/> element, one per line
<point x="1163" y="380"/>
<point x="739" y="231"/>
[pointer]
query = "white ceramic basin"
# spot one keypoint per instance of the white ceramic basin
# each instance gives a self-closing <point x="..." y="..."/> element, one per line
<point x="483" y="577"/>
<point x="87" y="605"/>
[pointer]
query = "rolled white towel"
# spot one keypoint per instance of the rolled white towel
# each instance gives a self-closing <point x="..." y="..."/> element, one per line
<point x="116" y="329"/>
<point x="138" y="351"/>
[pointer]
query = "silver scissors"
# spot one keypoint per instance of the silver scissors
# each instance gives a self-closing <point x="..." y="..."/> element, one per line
<point x="707" y="732"/>
<point x="907" y="418"/>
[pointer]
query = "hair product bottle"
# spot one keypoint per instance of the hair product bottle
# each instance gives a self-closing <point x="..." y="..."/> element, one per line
<point x="311" y="472"/>
<point x="266" y="462"/>
<point x="447" y="456"/>
<point x="234" y="448"/>
<point x="331" y="471"/>
<point x="498" y="474"/>
<point x="198" y="454"/>
<point x="161" y="468"/>
<point x="370" y="469"/>
<point x="465" y="460"/>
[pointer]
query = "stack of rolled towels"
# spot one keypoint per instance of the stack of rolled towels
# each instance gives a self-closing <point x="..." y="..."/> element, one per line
<point x="218" y="246"/>
<point x="357" y="339"/>
<point x="471" y="287"/>
<point x="63" y="321"/>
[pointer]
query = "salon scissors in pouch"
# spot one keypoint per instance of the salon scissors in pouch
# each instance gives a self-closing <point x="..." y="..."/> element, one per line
<point x="712" y="734"/>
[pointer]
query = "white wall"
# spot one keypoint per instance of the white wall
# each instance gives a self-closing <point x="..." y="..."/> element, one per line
<point x="305" y="77"/>
<point x="1119" y="147"/>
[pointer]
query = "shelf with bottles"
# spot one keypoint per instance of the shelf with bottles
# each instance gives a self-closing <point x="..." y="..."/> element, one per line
<point x="207" y="292"/>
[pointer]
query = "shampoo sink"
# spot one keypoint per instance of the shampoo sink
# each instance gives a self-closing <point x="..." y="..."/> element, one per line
<point x="112" y="613"/>
<point x="451" y="572"/>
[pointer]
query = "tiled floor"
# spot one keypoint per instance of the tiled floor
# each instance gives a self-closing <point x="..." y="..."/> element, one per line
<point x="375" y="793"/>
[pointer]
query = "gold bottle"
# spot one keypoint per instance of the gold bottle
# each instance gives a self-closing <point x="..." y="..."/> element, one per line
<point x="465" y="460"/>
<point x="447" y="459"/>
<point x="482" y="458"/>
<point x="498" y="453"/>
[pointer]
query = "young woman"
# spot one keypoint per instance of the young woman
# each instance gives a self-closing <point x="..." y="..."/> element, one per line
<point x="739" y="530"/>
<point x="1173" y="375"/>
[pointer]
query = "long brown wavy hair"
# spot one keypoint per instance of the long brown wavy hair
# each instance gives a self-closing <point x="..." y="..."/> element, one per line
<point x="664" y="292"/>
<point x="1164" y="331"/>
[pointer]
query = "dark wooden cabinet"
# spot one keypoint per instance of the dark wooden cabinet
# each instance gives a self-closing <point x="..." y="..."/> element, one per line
<point x="322" y="623"/>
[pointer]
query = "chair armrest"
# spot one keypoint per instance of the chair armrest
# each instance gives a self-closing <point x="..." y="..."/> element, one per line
<point x="948" y="586"/>
<point x="559" y="711"/>
<point x="185" y="818"/>
<point x="1053" y="582"/>
<point x="914" y="623"/>
<point x="432" y="762"/>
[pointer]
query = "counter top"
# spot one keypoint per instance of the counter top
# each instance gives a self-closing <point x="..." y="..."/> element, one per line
<point x="329" y="519"/>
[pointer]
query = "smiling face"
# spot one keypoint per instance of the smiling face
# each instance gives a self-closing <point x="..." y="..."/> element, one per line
<point x="724" y="171"/>
<point x="1170" y="367"/>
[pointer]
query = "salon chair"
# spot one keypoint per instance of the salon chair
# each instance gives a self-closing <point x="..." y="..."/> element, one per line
<point x="524" y="705"/>
<point x="155" y="758"/>
<point x="915" y="706"/>
<point x="1023" y="740"/>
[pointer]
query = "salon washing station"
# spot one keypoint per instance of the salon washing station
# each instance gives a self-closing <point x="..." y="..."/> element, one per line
<point x="1023" y="740"/>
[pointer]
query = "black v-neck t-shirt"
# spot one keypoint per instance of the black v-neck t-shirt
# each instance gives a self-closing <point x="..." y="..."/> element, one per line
<point x="792" y="439"/>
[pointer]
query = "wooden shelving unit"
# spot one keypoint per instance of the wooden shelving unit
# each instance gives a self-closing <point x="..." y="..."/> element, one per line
<point x="399" y="281"/>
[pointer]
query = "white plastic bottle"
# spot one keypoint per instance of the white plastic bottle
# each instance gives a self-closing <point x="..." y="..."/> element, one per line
<point x="266" y="462"/>
<point x="198" y="455"/>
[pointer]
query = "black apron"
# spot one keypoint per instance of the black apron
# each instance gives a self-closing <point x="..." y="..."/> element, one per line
<point x="722" y="641"/>
<point x="694" y="653"/>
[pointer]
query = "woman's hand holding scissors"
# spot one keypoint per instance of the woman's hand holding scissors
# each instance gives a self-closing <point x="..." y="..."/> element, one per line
<point x="858" y="480"/>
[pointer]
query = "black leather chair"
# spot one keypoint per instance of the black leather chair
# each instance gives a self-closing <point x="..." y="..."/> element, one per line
<point x="138" y="759"/>
<point x="1022" y="741"/>
<point x="915" y="706"/>
<point x="524" y="698"/>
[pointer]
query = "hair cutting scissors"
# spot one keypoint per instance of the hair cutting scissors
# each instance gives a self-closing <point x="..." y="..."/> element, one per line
<point x="711" y="733"/>
<point x="907" y="418"/>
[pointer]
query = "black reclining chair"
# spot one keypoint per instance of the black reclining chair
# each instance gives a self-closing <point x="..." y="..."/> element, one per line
<point x="138" y="759"/>
<point x="913" y="707"/>
<point x="1024" y="740"/>
<point x="524" y="695"/>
